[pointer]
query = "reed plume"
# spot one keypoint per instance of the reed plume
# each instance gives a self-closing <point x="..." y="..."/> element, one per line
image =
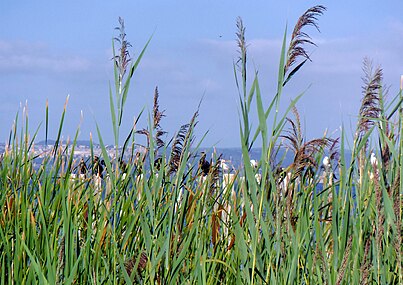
<point x="299" y="38"/>
<point x="183" y="139"/>
<point x="157" y="131"/>
<point x="304" y="153"/>
<point x="123" y="59"/>
<point x="370" y="108"/>
<point x="241" y="62"/>
<point x="157" y="116"/>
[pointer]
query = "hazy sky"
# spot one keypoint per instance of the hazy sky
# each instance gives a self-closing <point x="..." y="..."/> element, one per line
<point x="51" y="49"/>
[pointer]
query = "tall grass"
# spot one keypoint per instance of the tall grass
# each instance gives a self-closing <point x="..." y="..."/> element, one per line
<point x="158" y="219"/>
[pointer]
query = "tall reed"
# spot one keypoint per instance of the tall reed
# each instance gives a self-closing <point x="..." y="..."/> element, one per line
<point x="158" y="216"/>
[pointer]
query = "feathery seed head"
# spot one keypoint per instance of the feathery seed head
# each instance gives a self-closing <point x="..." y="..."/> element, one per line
<point x="299" y="38"/>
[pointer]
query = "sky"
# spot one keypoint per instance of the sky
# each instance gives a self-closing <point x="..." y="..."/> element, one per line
<point x="53" y="49"/>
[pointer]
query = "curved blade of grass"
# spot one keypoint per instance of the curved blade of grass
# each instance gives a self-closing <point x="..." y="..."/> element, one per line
<point x="35" y="264"/>
<point x="130" y="134"/>
<point x="128" y="79"/>
<point x="113" y="115"/>
<point x="47" y="122"/>
<point x="293" y="72"/>
<point x="60" y="128"/>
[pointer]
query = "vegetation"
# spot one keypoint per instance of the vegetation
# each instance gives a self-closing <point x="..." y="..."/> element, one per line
<point x="162" y="217"/>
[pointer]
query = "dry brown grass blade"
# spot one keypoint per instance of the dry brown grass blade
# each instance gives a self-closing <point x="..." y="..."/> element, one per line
<point x="8" y="210"/>
<point x="191" y="206"/>
<point x="215" y="222"/>
<point x="299" y="38"/>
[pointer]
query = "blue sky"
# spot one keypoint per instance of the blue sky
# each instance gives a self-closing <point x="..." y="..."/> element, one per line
<point x="49" y="50"/>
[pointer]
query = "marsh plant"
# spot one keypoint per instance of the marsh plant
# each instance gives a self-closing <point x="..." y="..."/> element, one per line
<point x="164" y="213"/>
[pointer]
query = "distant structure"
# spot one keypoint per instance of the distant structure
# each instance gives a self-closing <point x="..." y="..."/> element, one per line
<point x="254" y="163"/>
<point x="326" y="163"/>
<point x="374" y="160"/>
<point x="374" y="164"/>
<point x="328" y="176"/>
<point x="224" y="167"/>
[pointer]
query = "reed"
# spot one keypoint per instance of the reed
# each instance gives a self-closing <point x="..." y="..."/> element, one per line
<point x="162" y="216"/>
